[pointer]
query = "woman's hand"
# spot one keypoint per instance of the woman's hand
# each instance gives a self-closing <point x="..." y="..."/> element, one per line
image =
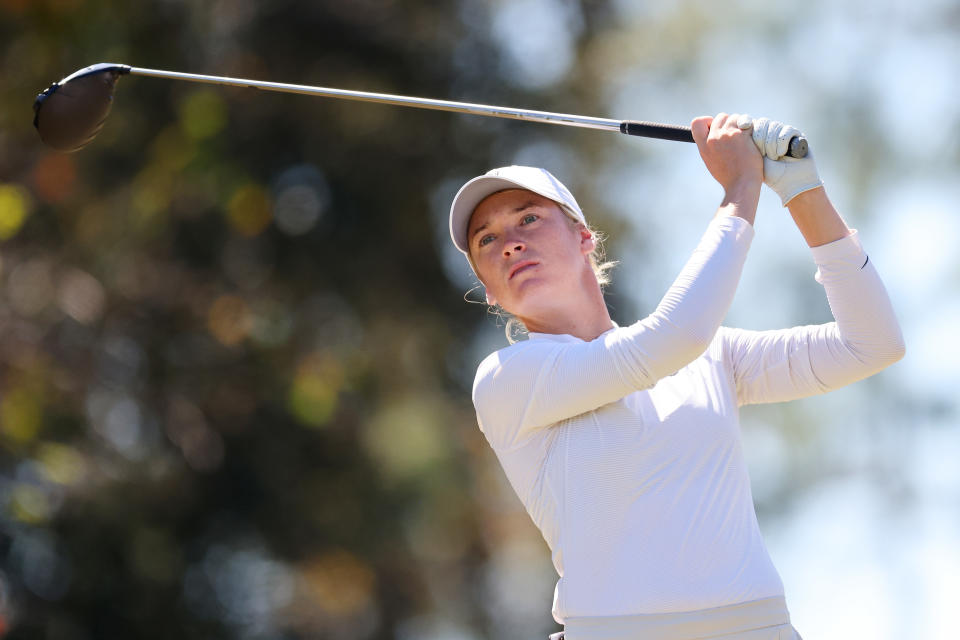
<point x="788" y="177"/>
<point x="733" y="160"/>
<point x="730" y="155"/>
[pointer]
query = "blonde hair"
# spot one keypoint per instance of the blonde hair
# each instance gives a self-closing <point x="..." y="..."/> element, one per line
<point x="514" y="328"/>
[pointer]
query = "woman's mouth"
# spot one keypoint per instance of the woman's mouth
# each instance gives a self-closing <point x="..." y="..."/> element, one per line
<point x="521" y="266"/>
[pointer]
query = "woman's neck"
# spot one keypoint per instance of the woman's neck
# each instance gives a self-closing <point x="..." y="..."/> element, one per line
<point x="584" y="316"/>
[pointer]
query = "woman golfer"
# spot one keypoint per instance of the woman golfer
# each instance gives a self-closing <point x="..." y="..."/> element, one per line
<point x="623" y="443"/>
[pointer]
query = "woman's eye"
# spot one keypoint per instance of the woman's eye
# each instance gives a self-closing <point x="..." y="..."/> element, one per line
<point x="527" y="219"/>
<point x="485" y="240"/>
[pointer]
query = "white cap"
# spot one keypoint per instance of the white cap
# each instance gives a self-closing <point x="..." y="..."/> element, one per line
<point x="535" y="179"/>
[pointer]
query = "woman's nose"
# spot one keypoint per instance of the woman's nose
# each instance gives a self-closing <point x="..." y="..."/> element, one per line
<point x="513" y="247"/>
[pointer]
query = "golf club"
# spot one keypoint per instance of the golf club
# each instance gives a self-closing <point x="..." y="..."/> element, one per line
<point x="70" y="113"/>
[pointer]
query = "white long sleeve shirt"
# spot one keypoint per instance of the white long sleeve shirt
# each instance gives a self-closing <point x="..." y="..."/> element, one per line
<point x="625" y="450"/>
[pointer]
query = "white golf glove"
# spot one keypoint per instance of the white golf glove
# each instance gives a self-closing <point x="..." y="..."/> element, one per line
<point x="788" y="177"/>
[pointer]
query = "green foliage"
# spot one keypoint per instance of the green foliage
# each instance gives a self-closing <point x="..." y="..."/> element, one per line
<point x="224" y="401"/>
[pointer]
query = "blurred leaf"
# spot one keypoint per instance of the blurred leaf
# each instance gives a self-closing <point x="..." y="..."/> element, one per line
<point x="21" y="415"/>
<point x="249" y="210"/>
<point x="203" y="114"/>
<point x="15" y="206"/>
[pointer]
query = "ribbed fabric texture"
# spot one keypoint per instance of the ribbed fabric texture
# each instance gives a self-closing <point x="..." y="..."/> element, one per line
<point x="625" y="450"/>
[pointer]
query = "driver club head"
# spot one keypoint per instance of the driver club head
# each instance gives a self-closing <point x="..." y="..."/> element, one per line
<point x="70" y="113"/>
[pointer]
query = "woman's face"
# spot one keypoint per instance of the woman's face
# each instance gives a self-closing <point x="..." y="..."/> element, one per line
<point x="529" y="254"/>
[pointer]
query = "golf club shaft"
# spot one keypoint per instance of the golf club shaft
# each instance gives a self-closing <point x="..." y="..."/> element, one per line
<point x="66" y="132"/>
<point x="646" y="129"/>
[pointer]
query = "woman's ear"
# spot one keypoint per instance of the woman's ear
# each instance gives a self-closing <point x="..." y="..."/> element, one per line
<point x="587" y="240"/>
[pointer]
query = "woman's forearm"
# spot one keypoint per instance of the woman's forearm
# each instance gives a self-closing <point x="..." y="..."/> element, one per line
<point x="816" y="218"/>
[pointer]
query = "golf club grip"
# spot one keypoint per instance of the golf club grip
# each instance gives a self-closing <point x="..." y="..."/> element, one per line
<point x="673" y="132"/>
<point x="797" y="148"/>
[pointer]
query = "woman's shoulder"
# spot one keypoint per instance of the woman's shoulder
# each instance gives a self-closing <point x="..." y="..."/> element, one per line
<point x="521" y="351"/>
<point x="517" y="359"/>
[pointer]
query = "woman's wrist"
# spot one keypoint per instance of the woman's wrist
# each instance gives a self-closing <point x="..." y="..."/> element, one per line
<point x="741" y="200"/>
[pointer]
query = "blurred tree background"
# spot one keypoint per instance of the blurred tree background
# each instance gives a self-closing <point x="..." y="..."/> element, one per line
<point x="235" y="362"/>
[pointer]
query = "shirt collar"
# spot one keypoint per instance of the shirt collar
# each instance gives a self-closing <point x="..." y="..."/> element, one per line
<point x="565" y="337"/>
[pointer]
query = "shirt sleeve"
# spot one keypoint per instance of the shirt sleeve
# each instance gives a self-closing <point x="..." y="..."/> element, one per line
<point x="775" y="366"/>
<point x="539" y="382"/>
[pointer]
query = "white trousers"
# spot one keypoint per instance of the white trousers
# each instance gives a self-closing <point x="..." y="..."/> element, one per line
<point x="766" y="619"/>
